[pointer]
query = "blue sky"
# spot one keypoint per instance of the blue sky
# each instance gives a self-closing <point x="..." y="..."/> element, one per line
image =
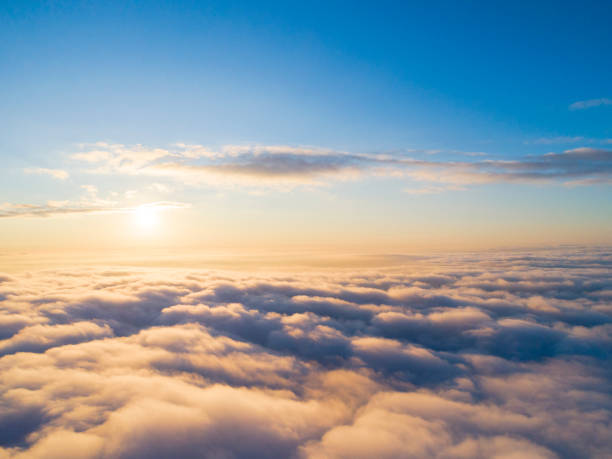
<point x="430" y="81"/>
<point x="454" y="75"/>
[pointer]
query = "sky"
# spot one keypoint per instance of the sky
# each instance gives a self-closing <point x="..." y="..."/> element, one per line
<point x="305" y="230"/>
<point x="400" y="126"/>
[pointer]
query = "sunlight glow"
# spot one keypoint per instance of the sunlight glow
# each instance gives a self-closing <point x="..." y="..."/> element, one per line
<point x="146" y="217"/>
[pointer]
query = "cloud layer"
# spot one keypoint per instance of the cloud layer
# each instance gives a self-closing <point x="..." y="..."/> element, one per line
<point x="289" y="166"/>
<point x="485" y="355"/>
<point x="259" y="168"/>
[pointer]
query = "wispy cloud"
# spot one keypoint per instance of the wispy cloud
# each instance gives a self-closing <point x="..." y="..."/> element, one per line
<point x="570" y="165"/>
<point x="275" y="165"/>
<point x="56" y="208"/>
<point x="590" y="103"/>
<point x="55" y="173"/>
<point x="432" y="189"/>
<point x="282" y="168"/>
<point x="557" y="140"/>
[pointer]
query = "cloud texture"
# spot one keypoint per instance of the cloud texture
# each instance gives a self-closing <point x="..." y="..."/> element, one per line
<point x="488" y="355"/>
<point x="259" y="168"/>
<point x="286" y="166"/>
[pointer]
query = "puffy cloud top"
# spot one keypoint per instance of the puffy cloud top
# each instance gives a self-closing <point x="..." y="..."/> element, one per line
<point x="496" y="355"/>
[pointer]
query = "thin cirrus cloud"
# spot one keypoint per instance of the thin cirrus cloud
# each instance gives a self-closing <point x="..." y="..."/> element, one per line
<point x="287" y="166"/>
<point x="590" y="103"/>
<point x="247" y="165"/>
<point x="55" y="208"/>
<point x="447" y="358"/>
<point x="55" y="173"/>
<point x="558" y="139"/>
<point x="284" y="168"/>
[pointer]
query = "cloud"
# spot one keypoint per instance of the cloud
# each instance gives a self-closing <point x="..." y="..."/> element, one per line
<point x="55" y="173"/>
<point x="262" y="171"/>
<point x="37" y="338"/>
<point x="286" y="167"/>
<point x="559" y="139"/>
<point x="283" y="168"/>
<point x="56" y="208"/>
<point x="456" y="356"/>
<point x="432" y="189"/>
<point x="566" y="167"/>
<point x="117" y="157"/>
<point x="232" y="164"/>
<point x="590" y="103"/>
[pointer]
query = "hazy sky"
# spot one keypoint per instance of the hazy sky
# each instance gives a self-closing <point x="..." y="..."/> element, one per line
<point x="349" y="125"/>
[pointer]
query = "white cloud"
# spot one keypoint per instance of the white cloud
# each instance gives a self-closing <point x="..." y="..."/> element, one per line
<point x="590" y="103"/>
<point x="96" y="206"/>
<point x="463" y="356"/>
<point x="55" y="173"/>
<point x="285" y="167"/>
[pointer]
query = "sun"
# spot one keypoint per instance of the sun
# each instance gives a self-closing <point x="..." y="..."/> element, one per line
<point x="146" y="217"/>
